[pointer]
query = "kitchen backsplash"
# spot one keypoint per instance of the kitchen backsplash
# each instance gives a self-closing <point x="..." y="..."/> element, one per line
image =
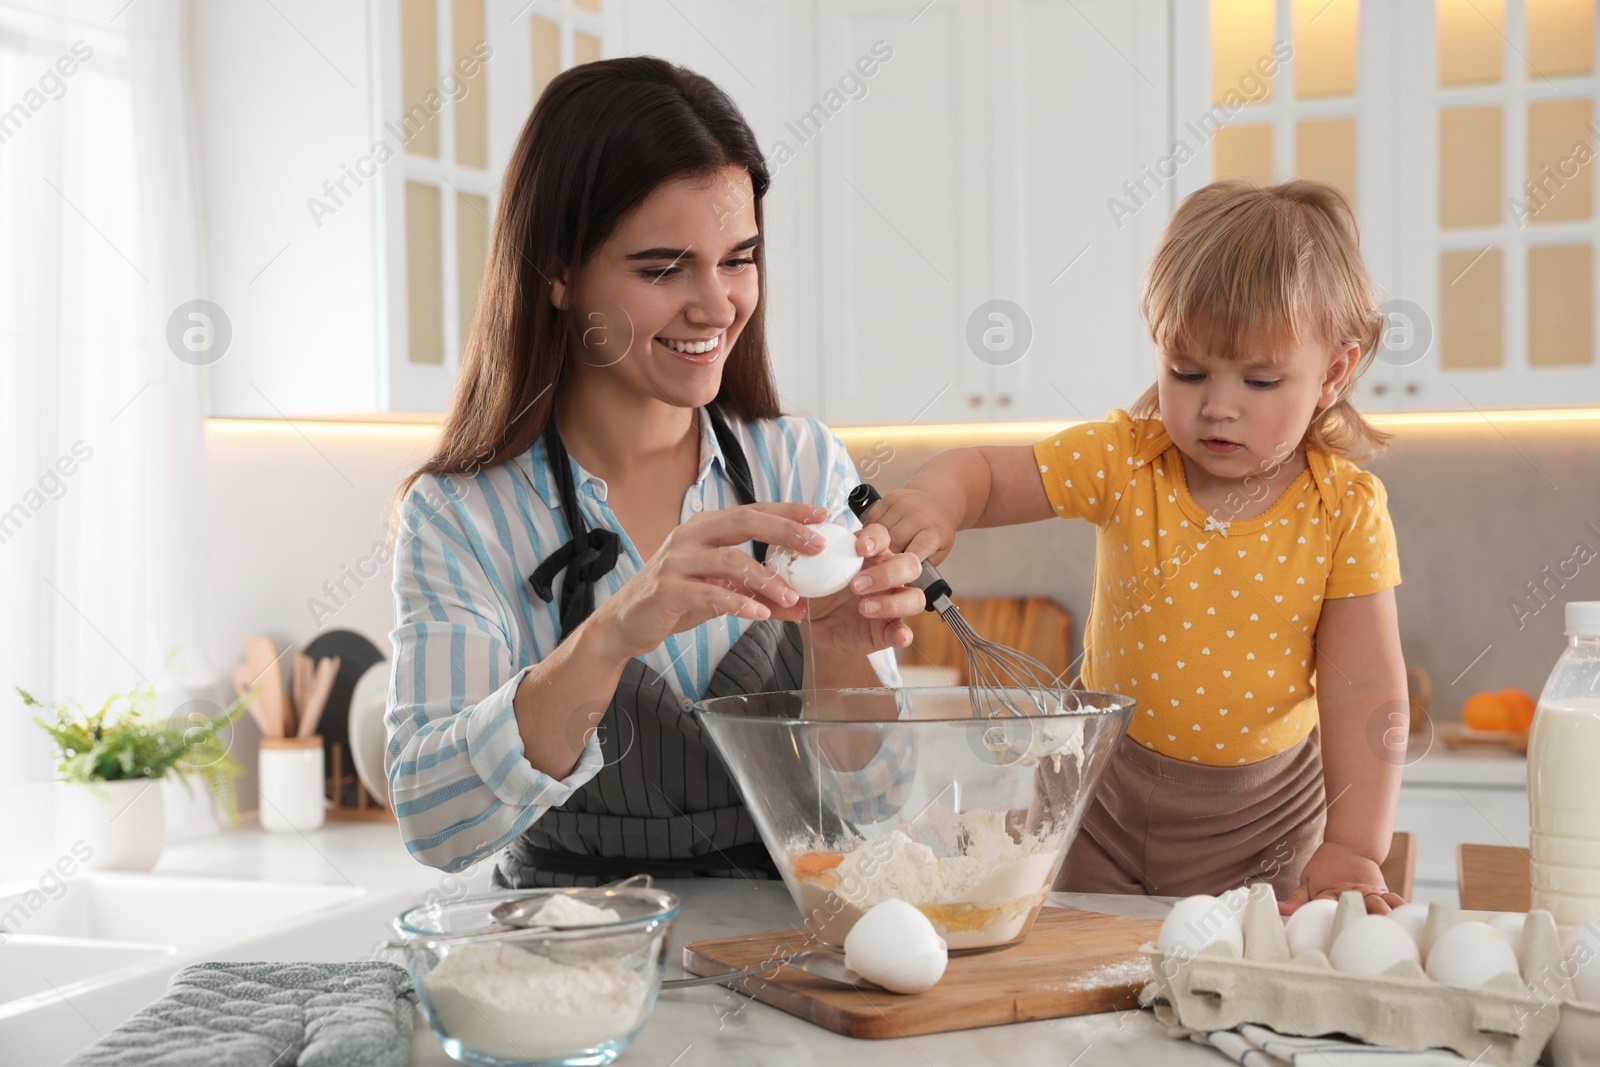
<point x="299" y="520"/>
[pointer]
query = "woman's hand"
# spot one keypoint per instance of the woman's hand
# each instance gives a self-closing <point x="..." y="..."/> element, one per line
<point x="1334" y="868"/>
<point x="697" y="575"/>
<point x="917" y="522"/>
<point x="866" y="616"/>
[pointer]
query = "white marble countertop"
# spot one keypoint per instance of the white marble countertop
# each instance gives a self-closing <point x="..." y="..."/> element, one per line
<point x="1475" y="766"/>
<point x="708" y="1024"/>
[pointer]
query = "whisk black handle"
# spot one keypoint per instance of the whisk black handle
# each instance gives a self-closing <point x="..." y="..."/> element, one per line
<point x="930" y="581"/>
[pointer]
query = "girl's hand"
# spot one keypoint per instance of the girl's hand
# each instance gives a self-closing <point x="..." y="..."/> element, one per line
<point x="1335" y="868"/>
<point x="849" y="621"/>
<point x="697" y="575"/>
<point x="917" y="523"/>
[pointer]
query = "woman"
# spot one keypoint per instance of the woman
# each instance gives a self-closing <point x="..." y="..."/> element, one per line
<point x="578" y="562"/>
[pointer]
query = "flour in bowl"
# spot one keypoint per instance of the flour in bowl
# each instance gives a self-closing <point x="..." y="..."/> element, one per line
<point x="982" y="891"/>
<point x="565" y="910"/>
<point x="507" y="1001"/>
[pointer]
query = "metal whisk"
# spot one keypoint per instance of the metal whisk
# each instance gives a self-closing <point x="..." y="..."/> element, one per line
<point x="995" y="672"/>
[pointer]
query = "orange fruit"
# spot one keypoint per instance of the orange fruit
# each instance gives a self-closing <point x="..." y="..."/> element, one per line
<point x="1487" y="711"/>
<point x="1521" y="705"/>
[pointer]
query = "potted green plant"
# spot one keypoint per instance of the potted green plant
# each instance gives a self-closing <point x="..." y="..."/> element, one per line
<point x="112" y="761"/>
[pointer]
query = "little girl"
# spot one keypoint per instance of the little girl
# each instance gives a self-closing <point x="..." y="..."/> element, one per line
<point x="1241" y="556"/>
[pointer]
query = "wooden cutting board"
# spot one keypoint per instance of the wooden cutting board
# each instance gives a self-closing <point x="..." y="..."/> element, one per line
<point x="1072" y="963"/>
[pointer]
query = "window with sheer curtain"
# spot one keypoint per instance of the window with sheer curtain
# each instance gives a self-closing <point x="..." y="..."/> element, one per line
<point x="103" y="560"/>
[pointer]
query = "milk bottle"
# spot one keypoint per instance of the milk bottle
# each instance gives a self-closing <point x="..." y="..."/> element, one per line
<point x="1564" y="777"/>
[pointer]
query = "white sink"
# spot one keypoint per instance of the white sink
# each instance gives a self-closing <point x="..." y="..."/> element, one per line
<point x="106" y="925"/>
<point x="155" y="909"/>
<point x="33" y="965"/>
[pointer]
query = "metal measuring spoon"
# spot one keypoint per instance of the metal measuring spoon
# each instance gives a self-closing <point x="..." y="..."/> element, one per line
<point x="517" y="916"/>
<point x="829" y="966"/>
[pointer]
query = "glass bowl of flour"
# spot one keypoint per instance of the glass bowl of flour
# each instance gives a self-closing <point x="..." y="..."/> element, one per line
<point x="865" y="795"/>
<point x="540" y="998"/>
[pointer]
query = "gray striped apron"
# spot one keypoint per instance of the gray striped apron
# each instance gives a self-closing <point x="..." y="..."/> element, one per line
<point x="662" y="803"/>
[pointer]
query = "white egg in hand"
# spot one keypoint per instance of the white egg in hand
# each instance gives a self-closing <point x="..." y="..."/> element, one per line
<point x="1310" y="926"/>
<point x="825" y="573"/>
<point x="1371" y="945"/>
<point x="1583" y="961"/>
<point x="1469" y="954"/>
<point x="1414" y="917"/>
<point x="896" y="946"/>
<point x="1195" y="922"/>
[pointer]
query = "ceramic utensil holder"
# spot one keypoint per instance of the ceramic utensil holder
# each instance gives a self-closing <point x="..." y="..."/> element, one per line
<point x="291" y="784"/>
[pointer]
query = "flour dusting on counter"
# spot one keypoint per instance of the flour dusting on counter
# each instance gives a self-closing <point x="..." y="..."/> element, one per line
<point x="1129" y="972"/>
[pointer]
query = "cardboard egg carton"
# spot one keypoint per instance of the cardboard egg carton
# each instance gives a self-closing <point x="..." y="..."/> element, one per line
<point x="1506" y="1022"/>
<point x="1576" y="1042"/>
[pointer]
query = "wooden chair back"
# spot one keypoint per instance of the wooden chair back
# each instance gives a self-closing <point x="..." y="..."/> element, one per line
<point x="1493" y="878"/>
<point x="1035" y="625"/>
<point x="1400" y="867"/>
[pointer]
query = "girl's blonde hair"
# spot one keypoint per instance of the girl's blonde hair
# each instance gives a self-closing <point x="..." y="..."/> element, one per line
<point x="1241" y="266"/>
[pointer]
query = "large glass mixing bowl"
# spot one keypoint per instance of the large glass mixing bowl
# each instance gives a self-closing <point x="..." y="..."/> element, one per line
<point x="862" y="795"/>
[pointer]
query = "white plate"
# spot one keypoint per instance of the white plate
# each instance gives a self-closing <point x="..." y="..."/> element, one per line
<point x="368" y="736"/>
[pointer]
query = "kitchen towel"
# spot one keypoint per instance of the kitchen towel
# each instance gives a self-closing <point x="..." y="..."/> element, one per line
<point x="268" y="1015"/>
<point x="1257" y="1046"/>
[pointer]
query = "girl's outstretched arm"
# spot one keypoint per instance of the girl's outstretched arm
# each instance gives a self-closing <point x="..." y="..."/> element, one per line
<point x="1361" y="689"/>
<point x="995" y="485"/>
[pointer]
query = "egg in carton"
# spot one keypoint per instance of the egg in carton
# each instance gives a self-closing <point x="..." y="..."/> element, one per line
<point x="1576" y="1042"/>
<point x="1505" y="1022"/>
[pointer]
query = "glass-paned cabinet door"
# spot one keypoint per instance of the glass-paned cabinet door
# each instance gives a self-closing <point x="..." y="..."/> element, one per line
<point x="460" y="77"/>
<point x="1269" y="90"/>
<point x="1495" y="174"/>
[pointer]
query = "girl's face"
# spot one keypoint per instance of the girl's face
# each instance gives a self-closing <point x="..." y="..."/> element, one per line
<point x="660" y="304"/>
<point x="1236" y="419"/>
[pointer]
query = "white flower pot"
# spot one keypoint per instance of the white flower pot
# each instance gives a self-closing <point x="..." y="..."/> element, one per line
<point x="124" y="824"/>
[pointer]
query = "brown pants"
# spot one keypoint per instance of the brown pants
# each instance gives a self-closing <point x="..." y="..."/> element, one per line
<point x="1163" y="827"/>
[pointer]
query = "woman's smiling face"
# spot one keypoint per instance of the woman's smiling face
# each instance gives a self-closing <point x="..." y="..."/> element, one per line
<point x="660" y="304"/>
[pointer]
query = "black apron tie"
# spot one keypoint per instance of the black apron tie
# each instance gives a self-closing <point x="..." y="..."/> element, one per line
<point x="591" y="554"/>
<point x="608" y="827"/>
<point x="584" y="561"/>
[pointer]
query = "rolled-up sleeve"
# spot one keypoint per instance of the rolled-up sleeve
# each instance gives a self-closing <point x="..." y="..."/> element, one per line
<point x="459" y="783"/>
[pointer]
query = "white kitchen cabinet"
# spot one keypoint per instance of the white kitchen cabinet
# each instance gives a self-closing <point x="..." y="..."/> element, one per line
<point x="760" y="52"/>
<point x="350" y="155"/>
<point x="1448" y="799"/>
<point x="977" y="168"/>
<point x="1498" y="225"/>
<point x="282" y="105"/>
<point x="1432" y="116"/>
<point x="1079" y="109"/>
<point x="925" y="159"/>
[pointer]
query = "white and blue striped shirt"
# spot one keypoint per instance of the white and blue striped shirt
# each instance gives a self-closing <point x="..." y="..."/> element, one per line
<point x="468" y="626"/>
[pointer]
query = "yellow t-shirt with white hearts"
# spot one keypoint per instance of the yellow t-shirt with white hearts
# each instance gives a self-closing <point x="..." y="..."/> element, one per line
<point x="1209" y="622"/>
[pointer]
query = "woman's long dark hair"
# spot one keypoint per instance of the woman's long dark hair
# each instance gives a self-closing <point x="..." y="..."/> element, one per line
<point x="602" y="137"/>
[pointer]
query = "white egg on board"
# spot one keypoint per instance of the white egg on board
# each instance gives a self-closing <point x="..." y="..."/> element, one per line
<point x="1582" y="949"/>
<point x="1414" y="917"/>
<point x="1509" y="925"/>
<point x="1371" y="945"/>
<point x="1470" y="953"/>
<point x="1311" y="926"/>
<point x="1195" y="922"/>
<point x="825" y="573"/>
<point x="896" y="946"/>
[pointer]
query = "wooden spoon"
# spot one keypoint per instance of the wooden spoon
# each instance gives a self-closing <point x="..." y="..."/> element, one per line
<point x="327" y="671"/>
<point x="261" y="661"/>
